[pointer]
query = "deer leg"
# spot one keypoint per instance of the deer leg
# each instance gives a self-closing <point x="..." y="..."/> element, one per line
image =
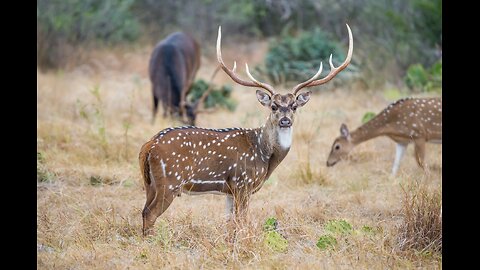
<point x="420" y="152"/>
<point x="162" y="200"/>
<point x="400" y="151"/>
<point x="150" y="190"/>
<point x="155" y="108"/>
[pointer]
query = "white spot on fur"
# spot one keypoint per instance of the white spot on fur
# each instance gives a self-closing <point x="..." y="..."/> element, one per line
<point x="163" y="167"/>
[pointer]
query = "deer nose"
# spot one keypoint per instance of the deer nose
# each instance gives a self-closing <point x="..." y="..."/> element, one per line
<point x="285" y="122"/>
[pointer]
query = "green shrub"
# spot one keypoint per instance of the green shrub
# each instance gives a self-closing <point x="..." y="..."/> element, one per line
<point x="367" y="117"/>
<point x="296" y="59"/>
<point x="392" y="94"/>
<point x="326" y="241"/>
<point x="338" y="227"/>
<point x="276" y="241"/>
<point x="63" y="23"/>
<point x="273" y="239"/>
<point x="420" y="79"/>
<point x="218" y="96"/>
<point x="270" y="224"/>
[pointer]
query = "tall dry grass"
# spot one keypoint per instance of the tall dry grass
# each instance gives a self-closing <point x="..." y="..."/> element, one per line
<point x="421" y="228"/>
<point x="92" y="120"/>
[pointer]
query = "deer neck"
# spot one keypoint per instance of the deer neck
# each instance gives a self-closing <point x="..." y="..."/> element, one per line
<point x="273" y="144"/>
<point x="367" y="131"/>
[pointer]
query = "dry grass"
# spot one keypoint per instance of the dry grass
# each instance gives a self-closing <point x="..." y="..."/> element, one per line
<point x="93" y="119"/>
<point x="421" y="228"/>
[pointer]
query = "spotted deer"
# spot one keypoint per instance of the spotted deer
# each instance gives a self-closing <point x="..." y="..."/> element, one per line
<point x="408" y="120"/>
<point x="233" y="161"/>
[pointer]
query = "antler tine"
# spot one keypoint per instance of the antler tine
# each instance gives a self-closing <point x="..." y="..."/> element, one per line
<point x="231" y="73"/>
<point x="333" y="70"/>
<point x="265" y="86"/>
<point x="302" y="85"/>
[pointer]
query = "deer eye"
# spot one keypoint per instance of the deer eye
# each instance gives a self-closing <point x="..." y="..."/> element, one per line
<point x="337" y="146"/>
<point x="274" y="107"/>
<point x="294" y="108"/>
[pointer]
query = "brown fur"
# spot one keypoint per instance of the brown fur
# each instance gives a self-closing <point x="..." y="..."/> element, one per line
<point x="235" y="161"/>
<point x="417" y="120"/>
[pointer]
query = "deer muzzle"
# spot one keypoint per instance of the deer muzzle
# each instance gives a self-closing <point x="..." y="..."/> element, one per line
<point x="285" y="122"/>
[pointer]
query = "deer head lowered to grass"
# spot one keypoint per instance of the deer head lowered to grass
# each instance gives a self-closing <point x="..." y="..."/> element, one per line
<point x="233" y="161"/>
<point x="417" y="120"/>
<point x="173" y="65"/>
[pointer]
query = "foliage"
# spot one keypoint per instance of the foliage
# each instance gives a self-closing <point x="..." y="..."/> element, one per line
<point x="333" y="228"/>
<point x="392" y="94"/>
<point x="218" y="96"/>
<point x="73" y="22"/>
<point x="43" y="174"/>
<point x="425" y="80"/>
<point x="391" y="35"/>
<point x="428" y="20"/>
<point x="338" y="227"/>
<point x="326" y="241"/>
<point x="274" y="239"/>
<point x="270" y="224"/>
<point x="297" y="58"/>
<point x="367" y="117"/>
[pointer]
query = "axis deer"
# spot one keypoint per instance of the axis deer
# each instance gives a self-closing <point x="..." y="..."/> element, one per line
<point x="417" y="120"/>
<point x="172" y="68"/>
<point x="233" y="161"/>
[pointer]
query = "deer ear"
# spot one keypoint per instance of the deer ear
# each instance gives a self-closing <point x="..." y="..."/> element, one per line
<point x="344" y="131"/>
<point x="263" y="98"/>
<point x="303" y="98"/>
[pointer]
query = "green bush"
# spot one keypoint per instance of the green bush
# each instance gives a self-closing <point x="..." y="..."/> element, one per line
<point x="218" y="96"/>
<point x="420" y="79"/>
<point x="326" y="241"/>
<point x="273" y="239"/>
<point x="62" y="23"/>
<point x="296" y="59"/>
<point x="338" y="227"/>
<point x="367" y="117"/>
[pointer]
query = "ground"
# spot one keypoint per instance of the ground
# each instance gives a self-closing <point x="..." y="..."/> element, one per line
<point x="92" y="119"/>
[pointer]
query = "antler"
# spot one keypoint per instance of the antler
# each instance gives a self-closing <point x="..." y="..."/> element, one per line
<point x="333" y="70"/>
<point x="231" y="73"/>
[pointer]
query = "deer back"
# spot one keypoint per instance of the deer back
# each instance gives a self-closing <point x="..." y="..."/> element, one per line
<point x="172" y="68"/>
<point x="192" y="159"/>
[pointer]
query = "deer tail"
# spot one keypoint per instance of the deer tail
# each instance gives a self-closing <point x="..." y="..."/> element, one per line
<point x="144" y="163"/>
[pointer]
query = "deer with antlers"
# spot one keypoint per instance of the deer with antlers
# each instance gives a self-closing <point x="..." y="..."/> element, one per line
<point x="409" y="120"/>
<point x="233" y="161"/>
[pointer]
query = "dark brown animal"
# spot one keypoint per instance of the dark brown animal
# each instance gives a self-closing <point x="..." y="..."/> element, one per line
<point x="233" y="161"/>
<point x="173" y="65"/>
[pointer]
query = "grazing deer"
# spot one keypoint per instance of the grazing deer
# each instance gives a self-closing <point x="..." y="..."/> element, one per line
<point x="417" y="120"/>
<point x="233" y="161"/>
<point x="172" y="68"/>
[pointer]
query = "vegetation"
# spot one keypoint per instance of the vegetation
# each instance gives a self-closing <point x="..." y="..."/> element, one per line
<point x="367" y="117"/>
<point x="297" y="58"/>
<point x="395" y="35"/>
<point x="61" y="24"/>
<point x="89" y="210"/>
<point x="92" y="119"/>
<point x="425" y="80"/>
<point x="220" y="97"/>
<point x="421" y="228"/>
